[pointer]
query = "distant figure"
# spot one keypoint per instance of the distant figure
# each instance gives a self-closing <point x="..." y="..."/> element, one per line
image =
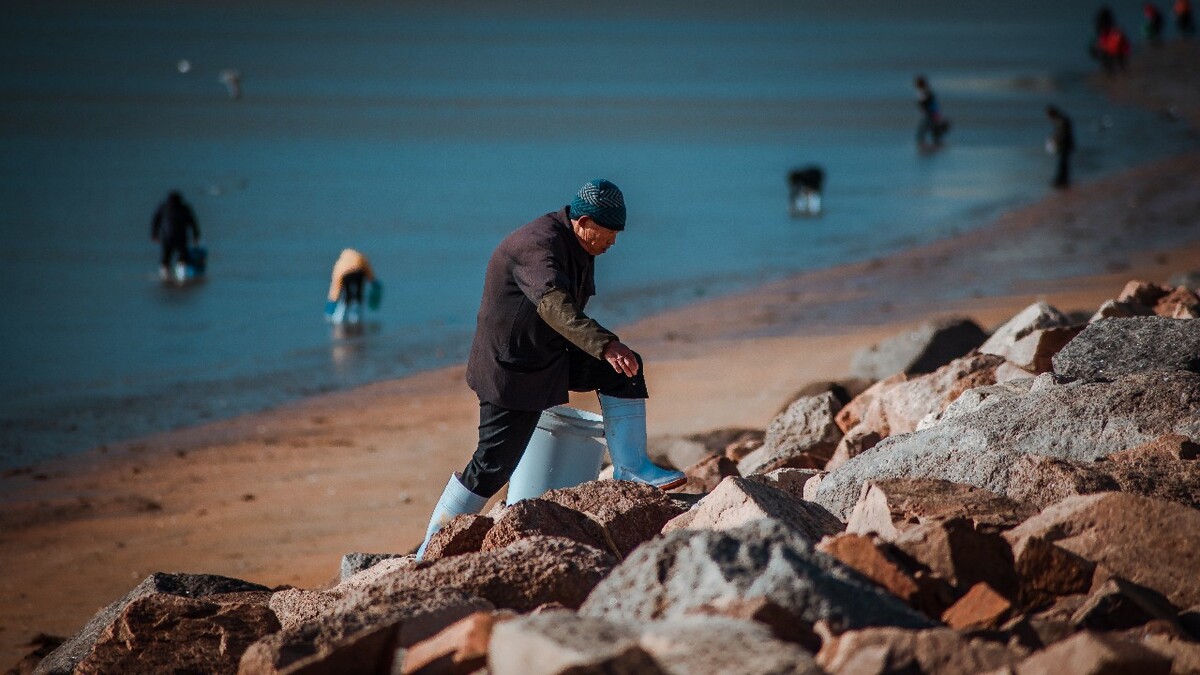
<point x="932" y="125"/>
<point x="232" y="80"/>
<point x="173" y="220"/>
<point x="1060" y="144"/>
<point x="1184" y="22"/>
<point x="1111" y="46"/>
<point x="350" y="274"/>
<point x="804" y="191"/>
<point x="1152" y="28"/>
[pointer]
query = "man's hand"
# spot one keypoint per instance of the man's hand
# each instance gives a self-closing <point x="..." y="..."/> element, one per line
<point x="621" y="358"/>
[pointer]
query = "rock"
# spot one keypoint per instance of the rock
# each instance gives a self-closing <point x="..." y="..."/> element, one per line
<point x="1111" y="309"/>
<point x="1184" y="655"/>
<point x="962" y="555"/>
<point x="630" y="513"/>
<point x="459" y="649"/>
<point x="1167" y="446"/>
<point x="704" y="476"/>
<point x="875" y="562"/>
<point x="812" y="485"/>
<point x="1144" y="293"/>
<point x="716" y="440"/>
<point x="791" y="481"/>
<point x="880" y="651"/>
<point x="1037" y="481"/>
<point x="1160" y="477"/>
<point x="686" y="570"/>
<point x="520" y="577"/>
<point x="1093" y="654"/>
<point x="1018" y="339"/>
<point x="1144" y="540"/>
<point x="852" y="413"/>
<point x="982" y="607"/>
<point x="737" y="501"/>
<point x="560" y="642"/>
<point x="1047" y="572"/>
<point x="675" y="451"/>
<point x="1180" y="303"/>
<point x="888" y="506"/>
<point x="803" y="437"/>
<point x="923" y="350"/>
<point x="463" y="534"/>
<point x="543" y="518"/>
<point x="64" y="659"/>
<point x="1114" y="347"/>
<point x="565" y="643"/>
<point x="768" y="614"/>
<point x="1079" y="421"/>
<point x="295" y="607"/>
<point x="856" y="441"/>
<point x="353" y="563"/>
<point x="161" y="632"/>
<point x="1118" y="604"/>
<point x="736" y="452"/>
<point x="360" y="633"/>
<point x="900" y="409"/>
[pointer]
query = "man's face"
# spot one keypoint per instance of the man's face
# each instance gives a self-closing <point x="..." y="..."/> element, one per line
<point x="594" y="237"/>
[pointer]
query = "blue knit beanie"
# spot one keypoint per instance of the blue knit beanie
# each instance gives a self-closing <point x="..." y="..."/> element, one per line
<point x="601" y="200"/>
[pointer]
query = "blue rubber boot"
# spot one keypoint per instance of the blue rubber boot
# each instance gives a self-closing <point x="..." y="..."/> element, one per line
<point x="456" y="500"/>
<point x="625" y="433"/>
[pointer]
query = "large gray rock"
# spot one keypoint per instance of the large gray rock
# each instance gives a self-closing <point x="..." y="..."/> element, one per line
<point x="1033" y="479"/>
<point x="930" y="346"/>
<point x="560" y="642"/>
<point x="737" y="501"/>
<point x="1147" y="541"/>
<point x="70" y="653"/>
<point x="687" y="571"/>
<point x="802" y="437"/>
<point x="1115" y="347"/>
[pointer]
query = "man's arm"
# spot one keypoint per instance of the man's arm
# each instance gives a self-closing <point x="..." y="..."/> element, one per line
<point x="558" y="309"/>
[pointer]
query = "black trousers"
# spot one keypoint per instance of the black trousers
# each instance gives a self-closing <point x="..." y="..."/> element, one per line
<point x="504" y="433"/>
<point x="352" y="287"/>
<point x="175" y="245"/>
<point x="1062" y="171"/>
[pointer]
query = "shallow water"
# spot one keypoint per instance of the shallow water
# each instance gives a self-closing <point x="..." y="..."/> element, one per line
<point x="421" y="135"/>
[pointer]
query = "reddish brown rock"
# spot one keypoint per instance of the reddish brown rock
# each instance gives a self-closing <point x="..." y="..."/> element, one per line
<point x="361" y="632"/>
<point x="844" y="390"/>
<point x="542" y="518"/>
<point x="856" y="441"/>
<point x="878" y="651"/>
<point x="1160" y="477"/>
<point x="1094" y="654"/>
<point x="171" y="633"/>
<point x="630" y="513"/>
<point x="962" y="555"/>
<point x="1180" y="303"/>
<point x="982" y="607"/>
<point x="782" y="623"/>
<point x="1047" y="572"/>
<point x="295" y="607"/>
<point x="736" y="452"/>
<point x="921" y="591"/>
<point x="1144" y="293"/>
<point x="737" y="501"/>
<point x="1147" y="541"/>
<point x="889" y="506"/>
<point x="852" y="413"/>
<point x="704" y="476"/>
<point x="900" y="409"/>
<point x="463" y="534"/>
<point x="1167" y="446"/>
<point x="1118" y="604"/>
<point x="460" y="648"/>
<point x="1028" y="335"/>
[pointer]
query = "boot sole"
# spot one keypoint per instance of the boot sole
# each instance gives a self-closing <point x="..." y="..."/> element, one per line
<point x="679" y="482"/>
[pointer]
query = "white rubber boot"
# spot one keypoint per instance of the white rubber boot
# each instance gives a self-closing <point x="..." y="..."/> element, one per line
<point x="456" y="500"/>
<point x="625" y="432"/>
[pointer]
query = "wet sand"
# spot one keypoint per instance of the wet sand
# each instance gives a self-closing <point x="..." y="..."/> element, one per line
<point x="277" y="497"/>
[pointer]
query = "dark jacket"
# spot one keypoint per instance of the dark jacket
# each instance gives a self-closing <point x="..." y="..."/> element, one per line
<point x="173" y="220"/>
<point x="539" y="273"/>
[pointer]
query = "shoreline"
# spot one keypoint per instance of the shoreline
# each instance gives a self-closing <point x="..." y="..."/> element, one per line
<point x="276" y="497"/>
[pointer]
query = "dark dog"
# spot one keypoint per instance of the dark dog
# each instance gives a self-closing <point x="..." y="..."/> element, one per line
<point x="804" y="191"/>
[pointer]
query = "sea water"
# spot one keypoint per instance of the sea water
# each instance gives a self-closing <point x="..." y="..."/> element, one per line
<point x="422" y="133"/>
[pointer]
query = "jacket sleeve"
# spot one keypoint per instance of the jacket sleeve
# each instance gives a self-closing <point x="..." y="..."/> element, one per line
<point x="559" y="311"/>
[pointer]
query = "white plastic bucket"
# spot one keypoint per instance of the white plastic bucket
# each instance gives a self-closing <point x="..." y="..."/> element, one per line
<point x="566" y="449"/>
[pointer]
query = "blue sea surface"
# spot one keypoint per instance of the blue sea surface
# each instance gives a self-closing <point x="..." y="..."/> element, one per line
<point x="422" y="133"/>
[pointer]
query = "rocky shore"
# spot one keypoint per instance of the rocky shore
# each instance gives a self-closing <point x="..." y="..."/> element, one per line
<point x="1024" y="500"/>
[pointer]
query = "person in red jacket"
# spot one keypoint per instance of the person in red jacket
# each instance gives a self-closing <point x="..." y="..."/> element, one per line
<point x="1111" y="47"/>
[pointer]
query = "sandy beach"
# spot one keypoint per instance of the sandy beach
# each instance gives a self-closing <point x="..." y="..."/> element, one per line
<point x="277" y="497"/>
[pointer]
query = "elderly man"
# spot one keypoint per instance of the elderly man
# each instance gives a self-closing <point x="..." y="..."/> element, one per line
<point x="533" y="344"/>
